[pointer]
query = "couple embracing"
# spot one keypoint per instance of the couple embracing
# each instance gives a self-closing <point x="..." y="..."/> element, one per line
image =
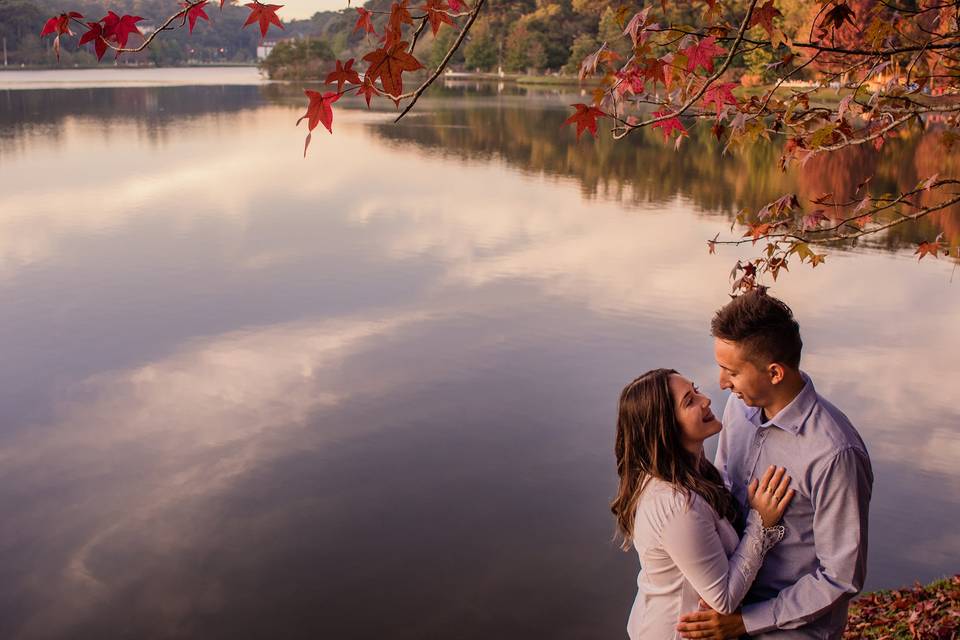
<point x="769" y="541"/>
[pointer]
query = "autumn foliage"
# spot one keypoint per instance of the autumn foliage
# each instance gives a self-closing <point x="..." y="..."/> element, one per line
<point x="918" y="613"/>
<point x="891" y="67"/>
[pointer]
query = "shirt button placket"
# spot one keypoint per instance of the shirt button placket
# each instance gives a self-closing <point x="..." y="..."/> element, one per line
<point x="757" y="445"/>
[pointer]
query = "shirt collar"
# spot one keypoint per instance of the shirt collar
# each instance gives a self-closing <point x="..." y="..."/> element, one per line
<point x="792" y="417"/>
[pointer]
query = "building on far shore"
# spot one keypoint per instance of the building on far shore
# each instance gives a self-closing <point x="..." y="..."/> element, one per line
<point x="264" y="49"/>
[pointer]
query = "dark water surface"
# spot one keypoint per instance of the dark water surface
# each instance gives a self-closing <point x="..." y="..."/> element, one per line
<point x="370" y="394"/>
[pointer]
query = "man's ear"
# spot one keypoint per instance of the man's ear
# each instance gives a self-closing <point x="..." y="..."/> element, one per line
<point x="776" y="372"/>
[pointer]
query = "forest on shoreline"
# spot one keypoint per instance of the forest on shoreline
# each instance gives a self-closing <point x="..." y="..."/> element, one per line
<point x="536" y="37"/>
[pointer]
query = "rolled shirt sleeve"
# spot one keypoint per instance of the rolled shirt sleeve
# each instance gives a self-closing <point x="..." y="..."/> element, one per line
<point x="841" y="497"/>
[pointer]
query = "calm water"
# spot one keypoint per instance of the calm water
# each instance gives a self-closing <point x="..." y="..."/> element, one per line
<point x="370" y="394"/>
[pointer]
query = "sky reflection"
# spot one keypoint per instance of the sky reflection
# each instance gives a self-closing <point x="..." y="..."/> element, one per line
<point x="248" y="393"/>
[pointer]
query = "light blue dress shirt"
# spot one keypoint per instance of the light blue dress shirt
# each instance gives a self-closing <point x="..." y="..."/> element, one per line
<point x="806" y="582"/>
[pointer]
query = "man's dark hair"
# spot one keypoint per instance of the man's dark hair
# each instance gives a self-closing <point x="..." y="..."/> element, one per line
<point x="763" y="326"/>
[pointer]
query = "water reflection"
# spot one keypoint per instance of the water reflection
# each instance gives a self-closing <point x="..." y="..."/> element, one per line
<point x="248" y="394"/>
<point x="530" y="135"/>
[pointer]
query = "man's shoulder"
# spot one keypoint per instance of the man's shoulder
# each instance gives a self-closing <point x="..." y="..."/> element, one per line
<point x="832" y="428"/>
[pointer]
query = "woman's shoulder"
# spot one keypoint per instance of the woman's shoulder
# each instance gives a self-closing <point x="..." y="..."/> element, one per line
<point x="662" y="501"/>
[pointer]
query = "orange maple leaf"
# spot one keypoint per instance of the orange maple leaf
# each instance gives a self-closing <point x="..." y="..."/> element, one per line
<point x="764" y="16"/>
<point x="319" y="111"/>
<point x="931" y="248"/>
<point x="265" y="14"/>
<point x="585" y="118"/>
<point x="388" y="64"/>
<point x="757" y="230"/>
<point x="343" y="73"/>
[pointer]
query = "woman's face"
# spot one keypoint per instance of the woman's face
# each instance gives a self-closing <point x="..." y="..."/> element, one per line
<point x="692" y="408"/>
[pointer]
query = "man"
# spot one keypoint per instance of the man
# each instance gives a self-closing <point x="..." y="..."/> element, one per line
<point x="774" y="416"/>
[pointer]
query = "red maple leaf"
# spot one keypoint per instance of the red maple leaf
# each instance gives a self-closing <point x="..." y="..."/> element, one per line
<point x="265" y="14"/>
<point x="364" y="21"/>
<point x="669" y="125"/>
<point x="319" y="111"/>
<point x="399" y="16"/>
<point x="94" y="33"/>
<point x="59" y="25"/>
<point x="436" y="11"/>
<point x="367" y="90"/>
<point x="720" y="94"/>
<point x="343" y="73"/>
<point x="656" y="70"/>
<point x="838" y="15"/>
<point x="119" y="28"/>
<point x="585" y="118"/>
<point x="631" y="81"/>
<point x="702" y="54"/>
<point x="456" y="5"/>
<point x="388" y="64"/>
<point x="812" y="220"/>
<point x="194" y="12"/>
<point x="764" y="16"/>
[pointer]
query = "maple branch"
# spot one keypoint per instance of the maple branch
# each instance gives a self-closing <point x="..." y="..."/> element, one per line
<point x="816" y="235"/>
<point x="720" y="71"/>
<point x="902" y="198"/>
<point x="148" y="39"/>
<point x="702" y="34"/>
<point x="416" y="34"/>
<point x="915" y="11"/>
<point x="875" y="52"/>
<point x="858" y="141"/>
<point x="779" y="84"/>
<point x="415" y="95"/>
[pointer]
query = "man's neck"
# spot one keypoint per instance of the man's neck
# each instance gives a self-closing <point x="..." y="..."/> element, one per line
<point x="787" y="390"/>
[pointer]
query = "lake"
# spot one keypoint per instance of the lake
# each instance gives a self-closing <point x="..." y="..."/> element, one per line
<point x="371" y="393"/>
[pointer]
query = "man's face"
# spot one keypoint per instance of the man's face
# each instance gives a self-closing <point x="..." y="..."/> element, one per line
<point x="739" y="374"/>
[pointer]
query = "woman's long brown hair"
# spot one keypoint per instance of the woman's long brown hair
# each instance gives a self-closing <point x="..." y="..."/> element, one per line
<point x="648" y="446"/>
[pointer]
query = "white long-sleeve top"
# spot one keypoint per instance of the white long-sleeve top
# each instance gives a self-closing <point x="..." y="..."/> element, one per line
<point x="687" y="552"/>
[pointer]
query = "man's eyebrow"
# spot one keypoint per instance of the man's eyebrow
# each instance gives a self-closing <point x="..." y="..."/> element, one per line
<point x="724" y="368"/>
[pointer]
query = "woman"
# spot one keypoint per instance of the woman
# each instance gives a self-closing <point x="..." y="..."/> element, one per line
<point x="673" y="507"/>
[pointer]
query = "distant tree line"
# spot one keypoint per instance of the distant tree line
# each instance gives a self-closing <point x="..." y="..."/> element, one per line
<point x="513" y="35"/>
<point x="220" y="40"/>
<point x="534" y="36"/>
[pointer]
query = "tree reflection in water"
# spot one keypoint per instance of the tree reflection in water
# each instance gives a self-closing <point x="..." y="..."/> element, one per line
<point x="644" y="171"/>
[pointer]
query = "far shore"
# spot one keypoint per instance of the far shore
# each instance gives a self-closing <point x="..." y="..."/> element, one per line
<point x="80" y="67"/>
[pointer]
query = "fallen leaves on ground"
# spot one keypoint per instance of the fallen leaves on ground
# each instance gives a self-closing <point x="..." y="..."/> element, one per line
<point x="930" y="612"/>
